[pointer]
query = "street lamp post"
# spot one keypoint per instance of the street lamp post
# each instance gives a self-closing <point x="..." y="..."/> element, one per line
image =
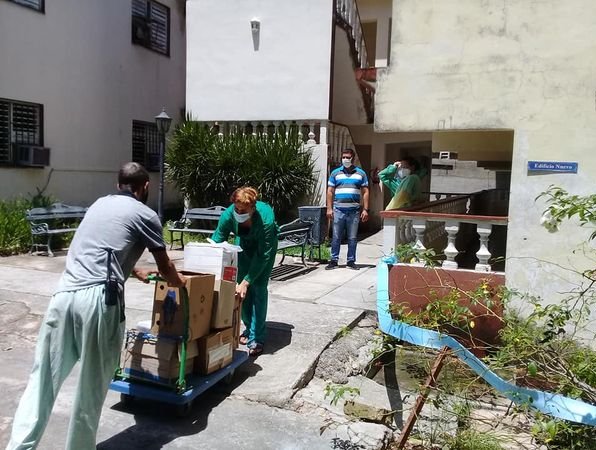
<point x="163" y="122"/>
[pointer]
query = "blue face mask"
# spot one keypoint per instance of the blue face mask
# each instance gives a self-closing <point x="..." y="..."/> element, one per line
<point x="241" y="218"/>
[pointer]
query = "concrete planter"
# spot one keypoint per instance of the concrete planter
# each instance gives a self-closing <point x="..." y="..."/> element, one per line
<point x="412" y="288"/>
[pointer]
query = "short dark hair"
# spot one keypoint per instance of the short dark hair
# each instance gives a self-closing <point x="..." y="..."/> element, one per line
<point x="348" y="150"/>
<point x="412" y="163"/>
<point x="132" y="176"/>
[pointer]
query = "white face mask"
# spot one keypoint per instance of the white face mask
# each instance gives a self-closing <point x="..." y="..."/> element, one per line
<point x="402" y="173"/>
<point x="241" y="218"/>
<point x="347" y="162"/>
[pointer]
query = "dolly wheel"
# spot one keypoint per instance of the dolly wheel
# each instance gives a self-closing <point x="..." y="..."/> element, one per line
<point x="126" y="399"/>
<point x="229" y="378"/>
<point x="184" y="409"/>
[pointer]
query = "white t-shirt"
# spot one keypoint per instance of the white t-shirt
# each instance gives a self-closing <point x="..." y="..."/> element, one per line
<point x="119" y="222"/>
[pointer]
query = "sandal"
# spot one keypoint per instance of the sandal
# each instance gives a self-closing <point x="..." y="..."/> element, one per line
<point x="243" y="340"/>
<point x="255" y="349"/>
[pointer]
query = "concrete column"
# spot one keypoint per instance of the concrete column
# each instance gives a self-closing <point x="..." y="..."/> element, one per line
<point x="382" y="53"/>
<point x="389" y="235"/>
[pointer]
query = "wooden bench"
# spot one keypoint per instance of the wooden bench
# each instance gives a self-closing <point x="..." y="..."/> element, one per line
<point x="294" y="235"/>
<point x="209" y="215"/>
<point x="52" y="220"/>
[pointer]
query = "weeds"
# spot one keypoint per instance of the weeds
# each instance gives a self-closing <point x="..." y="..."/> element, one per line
<point x="15" y="233"/>
<point x="338" y="392"/>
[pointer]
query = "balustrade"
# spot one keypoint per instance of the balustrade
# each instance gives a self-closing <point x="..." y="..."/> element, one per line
<point x="310" y="131"/>
<point x="425" y="228"/>
<point x="347" y="12"/>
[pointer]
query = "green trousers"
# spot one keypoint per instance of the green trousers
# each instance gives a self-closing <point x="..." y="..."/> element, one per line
<point x="254" y="313"/>
<point x="78" y="326"/>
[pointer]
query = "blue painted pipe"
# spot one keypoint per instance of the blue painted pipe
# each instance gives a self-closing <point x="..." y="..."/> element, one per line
<point x="555" y="405"/>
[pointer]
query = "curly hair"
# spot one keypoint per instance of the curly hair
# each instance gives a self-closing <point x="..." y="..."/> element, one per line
<point x="246" y="195"/>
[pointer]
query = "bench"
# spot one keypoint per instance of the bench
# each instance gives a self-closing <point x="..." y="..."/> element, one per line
<point x="185" y="224"/>
<point x="52" y="220"/>
<point x="293" y="235"/>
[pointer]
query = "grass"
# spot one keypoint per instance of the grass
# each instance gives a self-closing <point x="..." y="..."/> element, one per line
<point x="15" y="233"/>
<point x="188" y="237"/>
<point x="475" y="440"/>
<point x="325" y="252"/>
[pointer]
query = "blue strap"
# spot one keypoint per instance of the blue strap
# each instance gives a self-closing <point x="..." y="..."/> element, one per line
<point x="555" y="405"/>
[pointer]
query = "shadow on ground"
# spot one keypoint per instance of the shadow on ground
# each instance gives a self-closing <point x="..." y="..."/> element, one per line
<point x="279" y="335"/>
<point x="286" y="272"/>
<point x="157" y="424"/>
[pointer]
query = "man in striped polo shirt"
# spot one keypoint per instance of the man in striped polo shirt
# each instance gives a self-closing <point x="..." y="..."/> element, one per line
<point x="346" y="190"/>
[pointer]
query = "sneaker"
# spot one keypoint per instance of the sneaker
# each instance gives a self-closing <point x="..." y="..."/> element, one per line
<point x="332" y="265"/>
<point x="352" y="265"/>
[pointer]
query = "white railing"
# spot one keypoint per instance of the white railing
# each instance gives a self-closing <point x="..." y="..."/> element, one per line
<point x="434" y="231"/>
<point x="311" y="131"/>
<point x="347" y="12"/>
<point x="425" y="228"/>
<point x="442" y="195"/>
<point x="339" y="138"/>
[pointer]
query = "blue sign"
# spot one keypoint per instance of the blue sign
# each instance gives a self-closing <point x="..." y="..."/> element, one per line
<point x="552" y="166"/>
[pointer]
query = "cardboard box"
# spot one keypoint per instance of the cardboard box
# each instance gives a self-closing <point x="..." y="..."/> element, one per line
<point x="218" y="259"/>
<point x="168" y="313"/>
<point x="215" y="352"/>
<point x="236" y="319"/>
<point x="224" y="297"/>
<point x="157" y="359"/>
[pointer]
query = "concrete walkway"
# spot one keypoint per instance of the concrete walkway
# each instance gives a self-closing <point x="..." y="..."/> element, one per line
<point x="305" y="316"/>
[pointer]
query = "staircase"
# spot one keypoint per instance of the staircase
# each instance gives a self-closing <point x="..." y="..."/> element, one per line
<point x="348" y="18"/>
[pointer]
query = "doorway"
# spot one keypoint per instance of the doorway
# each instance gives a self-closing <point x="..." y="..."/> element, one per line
<point x="420" y="151"/>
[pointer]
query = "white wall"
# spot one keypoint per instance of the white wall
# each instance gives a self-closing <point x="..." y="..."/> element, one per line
<point x="287" y="78"/>
<point x="77" y="60"/>
<point x="347" y="105"/>
<point x="464" y="177"/>
<point x="526" y="66"/>
<point x="378" y="11"/>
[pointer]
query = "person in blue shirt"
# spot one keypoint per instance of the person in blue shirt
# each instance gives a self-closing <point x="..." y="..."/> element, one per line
<point x="347" y="204"/>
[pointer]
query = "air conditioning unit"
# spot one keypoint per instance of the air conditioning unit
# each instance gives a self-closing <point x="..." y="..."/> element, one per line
<point x="32" y="156"/>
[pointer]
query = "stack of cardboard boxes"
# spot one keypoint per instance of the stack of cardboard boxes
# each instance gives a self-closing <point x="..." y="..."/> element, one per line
<point x="212" y="331"/>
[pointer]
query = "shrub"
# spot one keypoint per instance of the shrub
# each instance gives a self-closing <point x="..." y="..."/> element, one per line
<point x="207" y="167"/>
<point x="15" y="234"/>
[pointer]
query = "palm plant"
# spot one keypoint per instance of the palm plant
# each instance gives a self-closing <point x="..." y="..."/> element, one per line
<point x="207" y="166"/>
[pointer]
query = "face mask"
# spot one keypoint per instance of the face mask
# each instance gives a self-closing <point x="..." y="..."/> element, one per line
<point x="347" y="162"/>
<point x="241" y="218"/>
<point x="402" y="173"/>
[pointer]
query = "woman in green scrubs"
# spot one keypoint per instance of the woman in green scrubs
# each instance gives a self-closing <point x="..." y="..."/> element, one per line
<point x="255" y="230"/>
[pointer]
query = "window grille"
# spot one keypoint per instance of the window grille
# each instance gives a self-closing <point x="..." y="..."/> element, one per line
<point x="151" y="25"/>
<point x="145" y="144"/>
<point x="20" y="124"/>
<point x="38" y="5"/>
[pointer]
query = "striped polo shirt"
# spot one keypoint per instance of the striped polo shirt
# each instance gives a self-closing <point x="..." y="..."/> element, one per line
<point x="347" y="184"/>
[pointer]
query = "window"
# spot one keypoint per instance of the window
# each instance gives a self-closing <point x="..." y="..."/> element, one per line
<point x="145" y="144"/>
<point x="20" y="124"/>
<point x="38" y="5"/>
<point x="151" y="25"/>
